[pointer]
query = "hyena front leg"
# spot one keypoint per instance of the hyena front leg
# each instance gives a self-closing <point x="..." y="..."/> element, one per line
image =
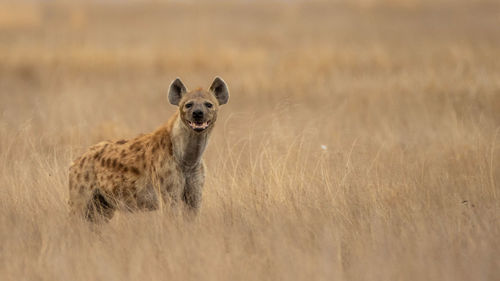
<point x="147" y="198"/>
<point x="170" y="185"/>
<point x="192" y="198"/>
<point x="193" y="189"/>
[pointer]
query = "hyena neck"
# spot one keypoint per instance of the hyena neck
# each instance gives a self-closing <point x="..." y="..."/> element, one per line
<point x="188" y="146"/>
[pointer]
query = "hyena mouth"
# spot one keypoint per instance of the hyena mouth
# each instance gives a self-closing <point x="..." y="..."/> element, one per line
<point x="198" y="127"/>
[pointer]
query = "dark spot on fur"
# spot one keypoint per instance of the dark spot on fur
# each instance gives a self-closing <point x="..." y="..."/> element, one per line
<point x="114" y="163"/>
<point x="125" y="169"/>
<point x="136" y="146"/>
<point x="162" y="180"/>
<point x="103" y="161"/>
<point x="135" y="170"/>
<point x="108" y="162"/>
<point x="78" y="177"/>
<point x="121" y="142"/>
<point x="87" y="176"/>
<point x="120" y="166"/>
<point x="163" y="141"/>
<point x="99" y="154"/>
<point x="123" y="153"/>
<point x="169" y="146"/>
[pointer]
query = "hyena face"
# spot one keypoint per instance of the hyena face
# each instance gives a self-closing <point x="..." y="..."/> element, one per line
<point x="198" y="108"/>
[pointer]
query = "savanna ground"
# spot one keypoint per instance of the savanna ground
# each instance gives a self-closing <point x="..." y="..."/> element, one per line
<point x="361" y="140"/>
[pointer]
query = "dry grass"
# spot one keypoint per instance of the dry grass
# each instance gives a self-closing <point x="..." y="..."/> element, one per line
<point x="404" y="95"/>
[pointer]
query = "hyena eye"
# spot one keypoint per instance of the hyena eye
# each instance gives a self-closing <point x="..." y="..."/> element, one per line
<point x="188" y="105"/>
<point x="208" y="105"/>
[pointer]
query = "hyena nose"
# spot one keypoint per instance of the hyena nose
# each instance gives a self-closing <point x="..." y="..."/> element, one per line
<point x="197" y="115"/>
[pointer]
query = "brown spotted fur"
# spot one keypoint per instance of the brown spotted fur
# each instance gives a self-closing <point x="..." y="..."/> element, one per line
<point x="162" y="167"/>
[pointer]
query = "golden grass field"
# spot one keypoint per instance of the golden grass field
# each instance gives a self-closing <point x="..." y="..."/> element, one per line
<point x="361" y="140"/>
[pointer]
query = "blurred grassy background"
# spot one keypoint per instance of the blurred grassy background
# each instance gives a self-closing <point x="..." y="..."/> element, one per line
<point x="361" y="140"/>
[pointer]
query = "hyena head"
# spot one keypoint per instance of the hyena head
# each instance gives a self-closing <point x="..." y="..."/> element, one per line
<point x="198" y="108"/>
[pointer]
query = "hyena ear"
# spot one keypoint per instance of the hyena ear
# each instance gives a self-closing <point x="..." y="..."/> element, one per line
<point x="176" y="91"/>
<point x="219" y="88"/>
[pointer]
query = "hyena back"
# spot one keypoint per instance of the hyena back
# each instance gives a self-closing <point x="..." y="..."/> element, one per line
<point x="163" y="166"/>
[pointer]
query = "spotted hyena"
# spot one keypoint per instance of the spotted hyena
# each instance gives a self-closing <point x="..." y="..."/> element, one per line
<point x="164" y="166"/>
